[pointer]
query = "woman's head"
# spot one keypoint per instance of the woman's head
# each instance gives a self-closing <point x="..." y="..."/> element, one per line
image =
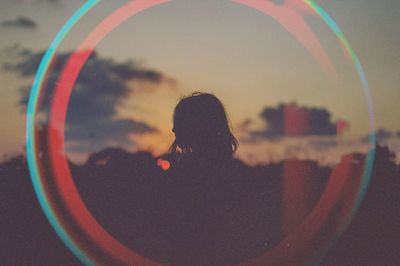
<point x="201" y="126"/>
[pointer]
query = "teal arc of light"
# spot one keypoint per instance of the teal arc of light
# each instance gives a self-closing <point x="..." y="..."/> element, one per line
<point x="30" y="132"/>
<point x="367" y="171"/>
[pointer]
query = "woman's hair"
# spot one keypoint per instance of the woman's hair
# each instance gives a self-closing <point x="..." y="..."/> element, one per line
<point x="202" y="126"/>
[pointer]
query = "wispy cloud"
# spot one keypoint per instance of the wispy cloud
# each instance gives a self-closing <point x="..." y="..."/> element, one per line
<point x="326" y="150"/>
<point x="21" y="22"/>
<point x="382" y="135"/>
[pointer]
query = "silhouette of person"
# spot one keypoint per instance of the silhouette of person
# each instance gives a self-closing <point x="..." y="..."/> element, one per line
<point x="202" y="129"/>
<point x="210" y="220"/>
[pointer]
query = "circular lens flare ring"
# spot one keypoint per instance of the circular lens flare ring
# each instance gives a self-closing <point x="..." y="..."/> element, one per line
<point x="62" y="174"/>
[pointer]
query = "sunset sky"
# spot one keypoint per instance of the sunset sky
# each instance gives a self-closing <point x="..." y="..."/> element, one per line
<point x="129" y="88"/>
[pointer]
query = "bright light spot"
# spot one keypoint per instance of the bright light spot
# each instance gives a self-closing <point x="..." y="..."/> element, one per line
<point x="164" y="164"/>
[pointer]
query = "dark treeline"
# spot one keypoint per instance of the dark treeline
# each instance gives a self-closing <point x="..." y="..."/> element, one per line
<point x="121" y="191"/>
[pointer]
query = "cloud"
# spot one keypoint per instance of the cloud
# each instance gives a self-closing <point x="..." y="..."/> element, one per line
<point x="13" y="51"/>
<point x="326" y="150"/>
<point x="382" y="135"/>
<point x="21" y="22"/>
<point x="93" y="121"/>
<point x="323" y="143"/>
<point x="291" y="120"/>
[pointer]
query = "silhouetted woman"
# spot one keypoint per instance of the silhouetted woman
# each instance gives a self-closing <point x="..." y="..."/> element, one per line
<point x="208" y="217"/>
<point x="202" y="129"/>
